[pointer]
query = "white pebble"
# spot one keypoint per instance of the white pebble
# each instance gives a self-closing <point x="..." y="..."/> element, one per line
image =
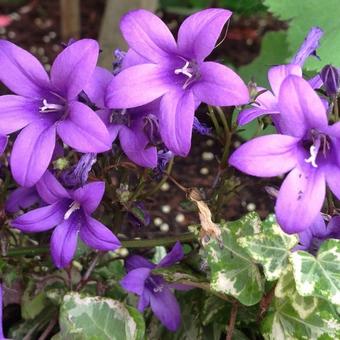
<point x="11" y="34"/>
<point x="166" y="209"/>
<point x="204" y="171"/>
<point x="207" y="156"/>
<point x="165" y="186"/>
<point x="157" y="221"/>
<point x="251" y="206"/>
<point x="237" y="144"/>
<point x="210" y="142"/>
<point x="164" y="227"/>
<point x="46" y="39"/>
<point x="180" y="218"/>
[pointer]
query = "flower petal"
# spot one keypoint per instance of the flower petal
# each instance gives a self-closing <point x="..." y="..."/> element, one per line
<point x="277" y="74"/>
<point x="247" y="115"/>
<point x="332" y="173"/>
<point x="89" y="196"/>
<point x="176" y="254"/>
<point x="137" y="261"/>
<point x="3" y="143"/>
<point x="301" y="108"/>
<point x="16" y="112"/>
<point x="97" y="85"/>
<point x="144" y="300"/>
<point x="21" y="198"/>
<point x="176" y="120"/>
<point x="21" y="72"/>
<point x="147" y="35"/>
<point x="32" y="152"/>
<point x="198" y="34"/>
<point x="266" y="156"/>
<point x="73" y="67"/>
<point x="41" y="219"/>
<point x="132" y="58"/>
<point x="50" y="189"/>
<point x="134" y="281"/>
<point x="83" y="130"/>
<point x="166" y="308"/>
<point x="138" y="85"/>
<point x="64" y="241"/>
<point x="300" y="199"/>
<point x="219" y="85"/>
<point x="97" y="236"/>
<point x="136" y="146"/>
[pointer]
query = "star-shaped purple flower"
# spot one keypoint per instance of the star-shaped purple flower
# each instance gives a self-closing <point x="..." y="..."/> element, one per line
<point x="70" y="212"/>
<point x="175" y="72"/>
<point x="131" y="126"/>
<point x="308" y="149"/>
<point x="44" y="107"/>
<point x="153" y="289"/>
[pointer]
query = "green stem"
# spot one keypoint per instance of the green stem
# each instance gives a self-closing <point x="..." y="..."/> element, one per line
<point x="214" y="120"/>
<point x="227" y="138"/>
<point x="336" y="108"/>
<point x="164" y="241"/>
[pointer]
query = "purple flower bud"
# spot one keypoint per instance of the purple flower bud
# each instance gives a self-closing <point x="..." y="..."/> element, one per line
<point x="151" y="128"/>
<point x="202" y="129"/>
<point x="77" y="176"/>
<point x="117" y="63"/>
<point x="331" y="79"/>
<point x="308" y="47"/>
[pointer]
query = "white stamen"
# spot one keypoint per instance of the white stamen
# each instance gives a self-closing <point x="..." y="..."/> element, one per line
<point x="73" y="207"/>
<point x="313" y="154"/>
<point x="158" y="289"/>
<point x="184" y="70"/>
<point x="50" y="107"/>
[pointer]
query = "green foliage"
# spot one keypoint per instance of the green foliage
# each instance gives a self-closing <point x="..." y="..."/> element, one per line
<point x="319" y="276"/>
<point x="98" y="318"/>
<point x="271" y="248"/>
<point x="274" y="50"/>
<point x="233" y="272"/>
<point x="304" y="14"/>
<point x="293" y="316"/>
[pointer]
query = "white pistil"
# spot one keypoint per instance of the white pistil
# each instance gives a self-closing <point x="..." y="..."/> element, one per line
<point x="50" y="107"/>
<point x="313" y="154"/>
<point x="73" y="207"/>
<point x="185" y="70"/>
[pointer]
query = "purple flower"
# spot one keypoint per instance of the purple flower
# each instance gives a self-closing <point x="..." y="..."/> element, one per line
<point x="70" y="212"/>
<point x="330" y="77"/>
<point x="308" y="47"/>
<point x="266" y="101"/>
<point x="134" y="127"/>
<point x="3" y="143"/>
<point x="308" y="149"/>
<point x="22" y="198"/>
<point x="77" y="176"/>
<point x="312" y="238"/>
<point x="44" y="107"/>
<point x="158" y="67"/>
<point x="153" y="289"/>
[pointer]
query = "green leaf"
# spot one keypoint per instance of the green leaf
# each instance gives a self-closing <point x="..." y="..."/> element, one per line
<point x="233" y="272"/>
<point x="293" y="316"/>
<point x="32" y="305"/>
<point x="91" y="318"/>
<point x="319" y="276"/>
<point x="270" y="248"/>
<point x="273" y="51"/>
<point x="304" y="14"/>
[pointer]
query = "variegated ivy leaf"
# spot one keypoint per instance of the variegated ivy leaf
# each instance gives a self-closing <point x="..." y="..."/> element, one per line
<point x="98" y="318"/>
<point x="293" y="316"/>
<point x="320" y="275"/>
<point x="271" y="248"/>
<point x="233" y="272"/>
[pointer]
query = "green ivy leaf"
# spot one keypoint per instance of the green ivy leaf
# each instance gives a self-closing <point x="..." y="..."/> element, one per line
<point x="233" y="272"/>
<point x="90" y="318"/>
<point x="304" y="14"/>
<point x="293" y="316"/>
<point x="270" y="248"/>
<point x="319" y="276"/>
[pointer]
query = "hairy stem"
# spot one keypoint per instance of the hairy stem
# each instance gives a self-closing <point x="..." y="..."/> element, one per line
<point x="232" y="321"/>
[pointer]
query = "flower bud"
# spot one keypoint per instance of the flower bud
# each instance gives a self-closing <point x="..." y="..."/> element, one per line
<point x="331" y="79"/>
